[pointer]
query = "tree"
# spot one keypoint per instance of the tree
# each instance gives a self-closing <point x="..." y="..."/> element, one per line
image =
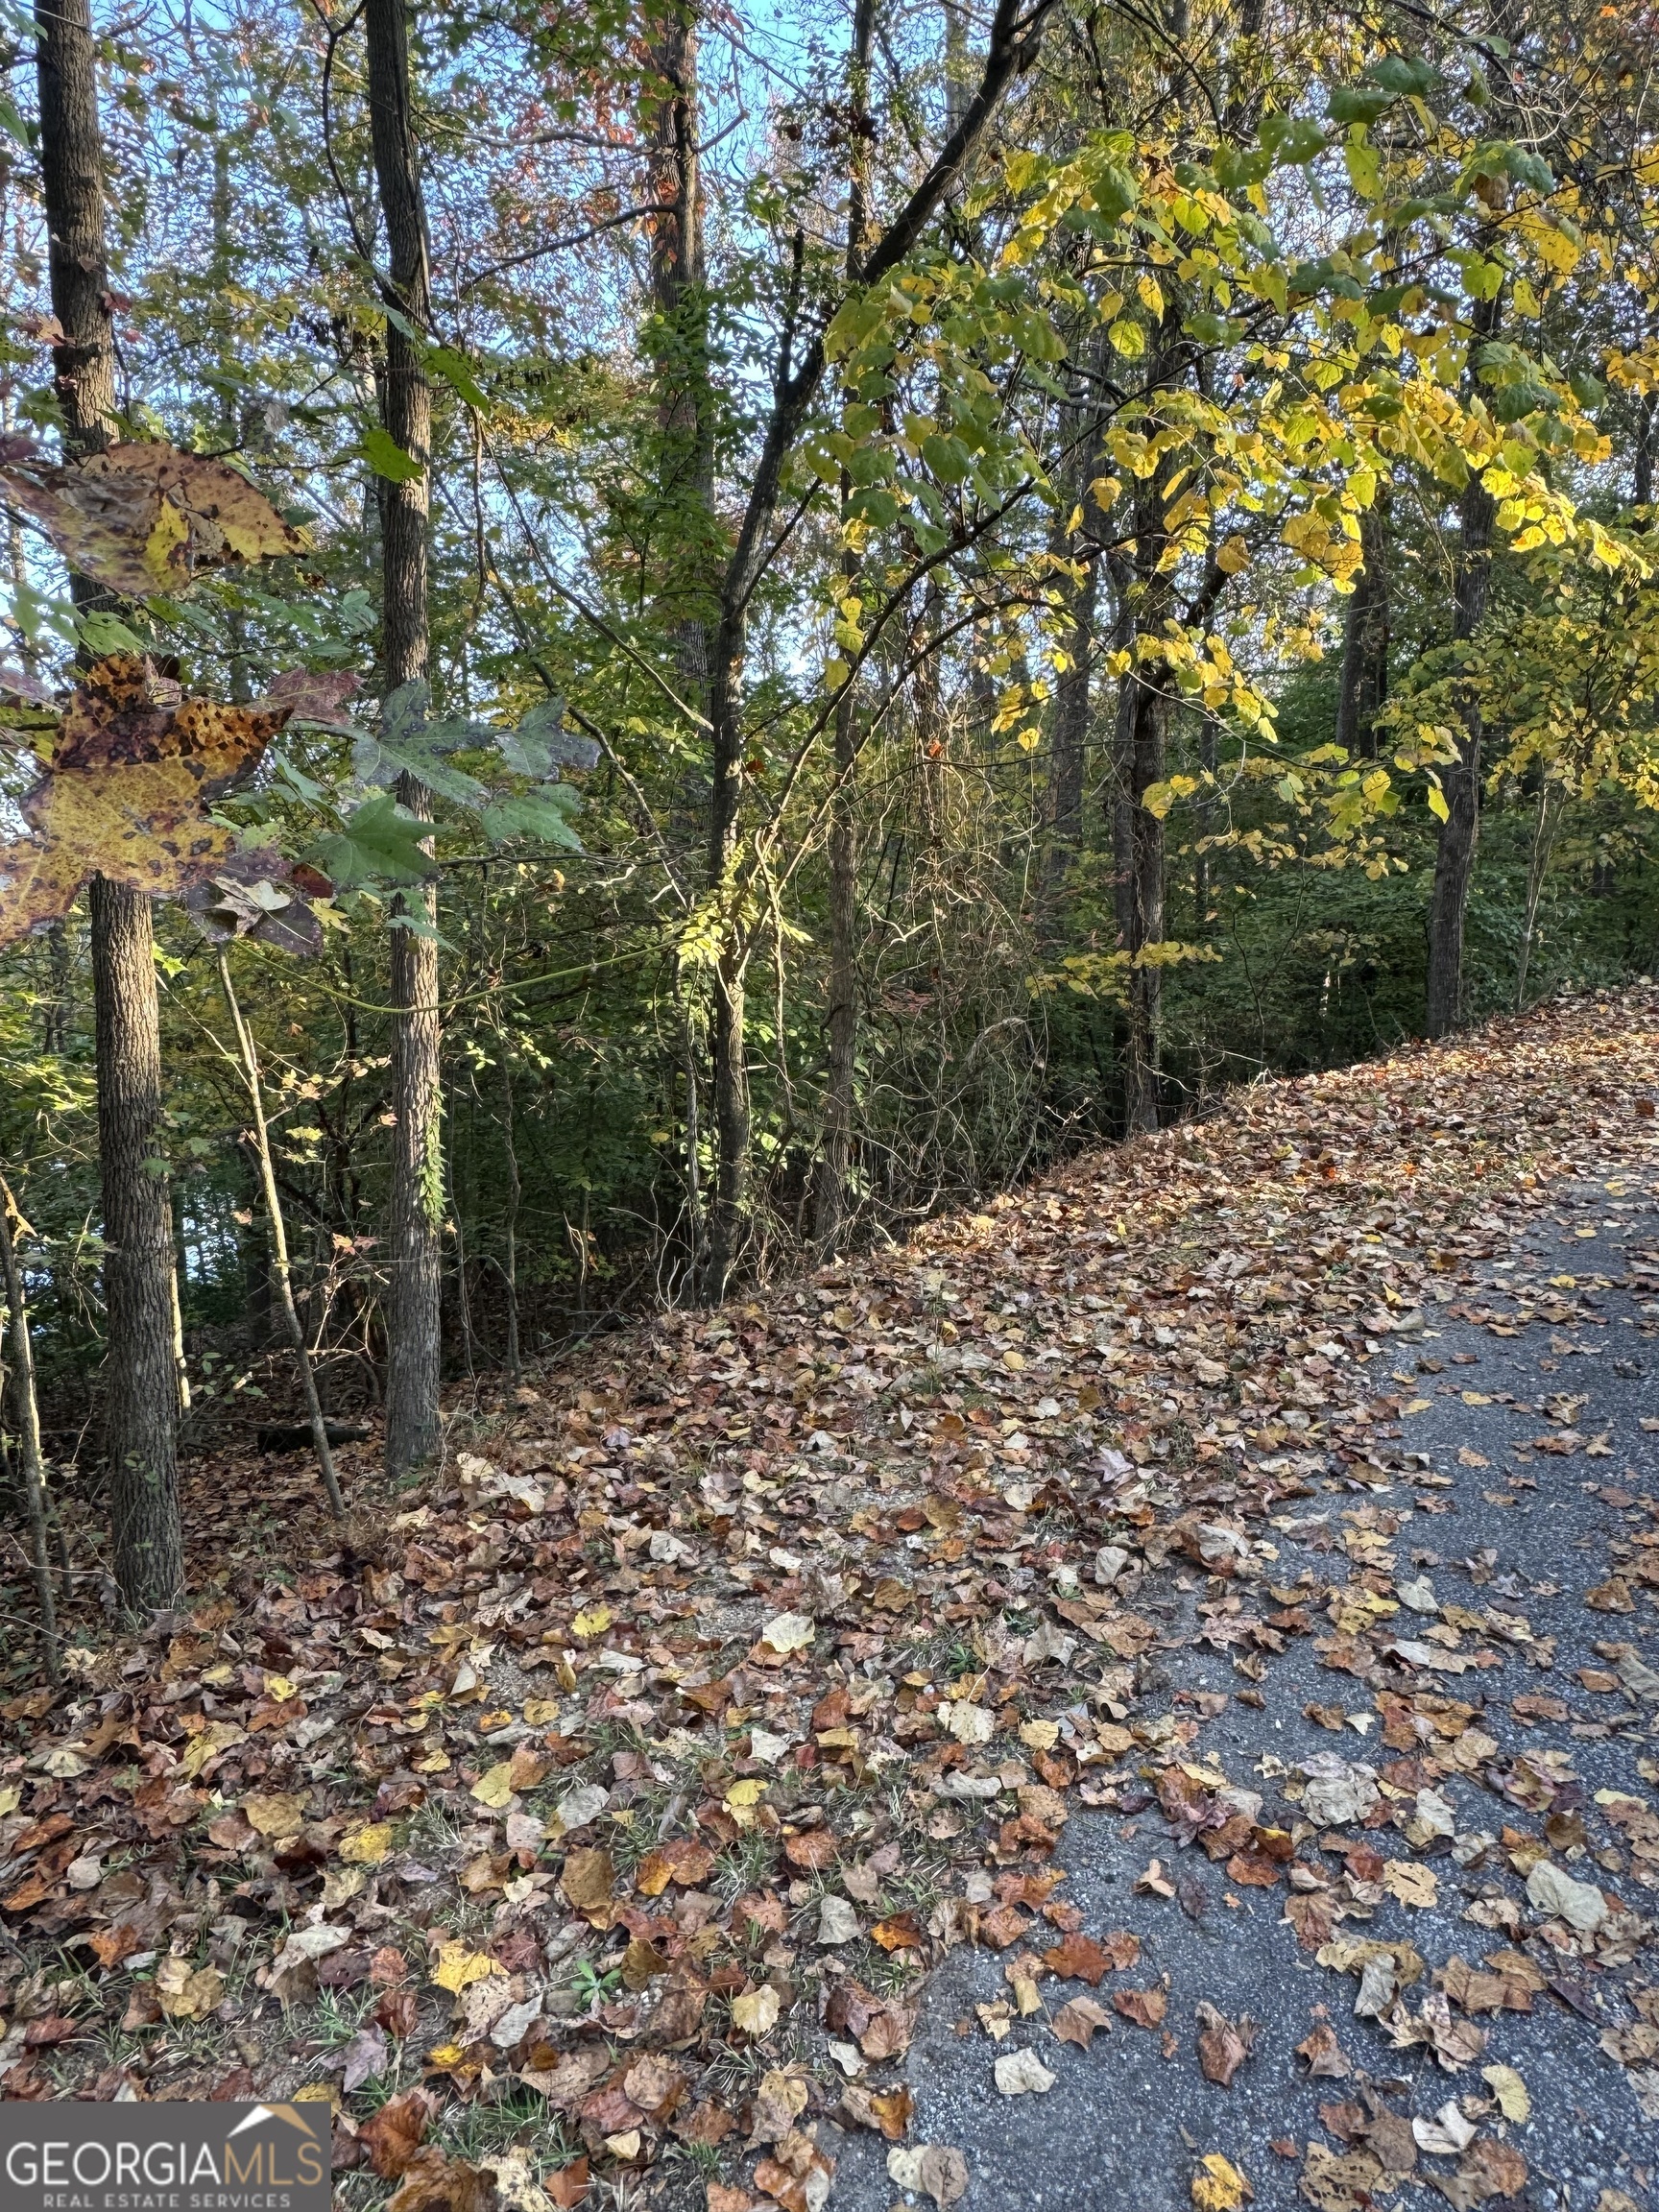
<point x="413" y="1306"/>
<point x="140" y="1376"/>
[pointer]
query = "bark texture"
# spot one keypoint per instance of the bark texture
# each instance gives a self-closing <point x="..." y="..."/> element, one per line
<point x="413" y="1306"/>
<point x="140" y="1379"/>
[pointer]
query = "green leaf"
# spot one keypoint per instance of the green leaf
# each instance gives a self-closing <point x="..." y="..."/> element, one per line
<point x="379" y="843"/>
<point x="1358" y="102"/>
<point x="543" y="815"/>
<point x="456" y="371"/>
<point x="377" y="762"/>
<point x="1292" y="139"/>
<point x="1400" y="77"/>
<point x="947" y="457"/>
<point x="103" y="633"/>
<point x="387" y="458"/>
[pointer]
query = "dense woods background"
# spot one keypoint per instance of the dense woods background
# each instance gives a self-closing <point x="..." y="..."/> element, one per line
<point x="980" y="576"/>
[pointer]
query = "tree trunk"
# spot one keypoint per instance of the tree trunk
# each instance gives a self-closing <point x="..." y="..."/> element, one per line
<point x="686" y="399"/>
<point x="1148" y="747"/>
<point x="1460" y="781"/>
<point x="843" y="1010"/>
<point x="141" y="1401"/>
<point x="141" y="1395"/>
<point x="414" y="1316"/>
<point x="510" y="1222"/>
<point x="1363" y="684"/>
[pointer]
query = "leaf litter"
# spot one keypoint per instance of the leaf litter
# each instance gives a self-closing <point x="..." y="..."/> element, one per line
<point x="602" y="1806"/>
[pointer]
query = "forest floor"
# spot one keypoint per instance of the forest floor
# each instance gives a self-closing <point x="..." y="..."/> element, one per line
<point x="1152" y="1686"/>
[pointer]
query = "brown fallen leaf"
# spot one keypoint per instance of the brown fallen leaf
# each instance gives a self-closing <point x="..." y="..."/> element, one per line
<point x="433" y="2182"/>
<point x="1223" y="2044"/>
<point x="567" y="2185"/>
<point x="1489" y="2168"/>
<point x="1078" y="2019"/>
<point x="1145" y="2008"/>
<point x="1327" y="2061"/>
<point x="589" y="1880"/>
<point x="393" y="2134"/>
<point x="1080" y="1959"/>
<point x="811" y="1850"/>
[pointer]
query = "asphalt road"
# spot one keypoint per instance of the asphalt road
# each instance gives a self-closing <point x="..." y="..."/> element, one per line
<point x="1124" y="2123"/>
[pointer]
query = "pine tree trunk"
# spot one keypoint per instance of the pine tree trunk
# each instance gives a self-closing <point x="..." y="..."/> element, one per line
<point x="141" y="1399"/>
<point x="414" y="1316"/>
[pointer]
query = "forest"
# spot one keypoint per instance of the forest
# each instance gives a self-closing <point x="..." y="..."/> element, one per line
<point x="646" y="648"/>
<point x="829" y="1063"/>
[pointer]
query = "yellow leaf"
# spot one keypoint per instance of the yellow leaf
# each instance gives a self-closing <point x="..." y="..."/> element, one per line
<point x="1233" y="557"/>
<point x="755" y="2011"/>
<point x="495" y="1787"/>
<point x="457" y="1966"/>
<point x="1151" y="298"/>
<point x="1218" y="2186"/>
<point x="279" y="1687"/>
<point x="1129" y="339"/>
<point x="592" y="1622"/>
<point x="187" y="1993"/>
<point x="1510" y="2091"/>
<point x="276" y="1814"/>
<point x="541" y="1712"/>
<point x="741" y="1800"/>
<point x="434" y="1763"/>
<point x="368" y="1845"/>
<point x="218" y="1736"/>
<point x="10" y="1797"/>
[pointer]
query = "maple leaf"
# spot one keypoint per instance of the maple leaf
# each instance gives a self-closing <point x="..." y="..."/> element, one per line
<point x="132" y="770"/>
